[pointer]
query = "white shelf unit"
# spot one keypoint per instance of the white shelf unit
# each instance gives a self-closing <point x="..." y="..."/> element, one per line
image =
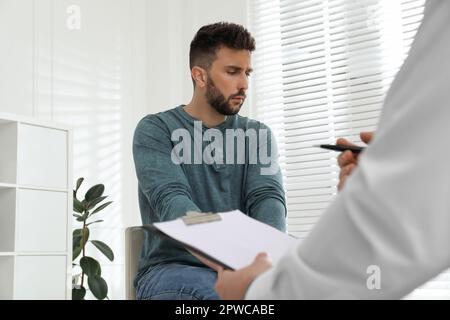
<point x="35" y="209"/>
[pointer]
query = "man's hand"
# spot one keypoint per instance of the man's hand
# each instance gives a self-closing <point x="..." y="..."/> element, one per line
<point x="232" y="285"/>
<point x="347" y="160"/>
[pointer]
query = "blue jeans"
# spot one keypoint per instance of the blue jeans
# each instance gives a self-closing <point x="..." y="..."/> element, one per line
<point x="177" y="282"/>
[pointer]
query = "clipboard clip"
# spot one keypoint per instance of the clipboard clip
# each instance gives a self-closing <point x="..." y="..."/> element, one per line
<point x="192" y="217"/>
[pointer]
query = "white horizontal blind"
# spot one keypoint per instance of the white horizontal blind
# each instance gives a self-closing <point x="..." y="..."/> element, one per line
<point x="322" y="69"/>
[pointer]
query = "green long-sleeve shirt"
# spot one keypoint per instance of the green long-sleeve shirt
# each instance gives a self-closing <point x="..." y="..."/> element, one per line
<point x="168" y="188"/>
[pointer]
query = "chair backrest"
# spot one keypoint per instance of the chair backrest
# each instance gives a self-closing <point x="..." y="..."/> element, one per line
<point x="134" y="237"/>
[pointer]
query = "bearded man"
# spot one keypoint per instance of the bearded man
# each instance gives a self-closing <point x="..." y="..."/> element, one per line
<point x="220" y="63"/>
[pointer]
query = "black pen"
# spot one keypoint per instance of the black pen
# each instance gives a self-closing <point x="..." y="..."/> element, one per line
<point x="341" y="147"/>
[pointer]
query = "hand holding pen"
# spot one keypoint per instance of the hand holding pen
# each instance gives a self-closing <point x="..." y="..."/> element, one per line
<point x="348" y="159"/>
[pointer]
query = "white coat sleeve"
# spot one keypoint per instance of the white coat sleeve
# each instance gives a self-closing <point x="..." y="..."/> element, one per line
<point x="393" y="215"/>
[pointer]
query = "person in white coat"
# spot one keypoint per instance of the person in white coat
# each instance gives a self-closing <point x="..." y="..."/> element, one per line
<point x="388" y="231"/>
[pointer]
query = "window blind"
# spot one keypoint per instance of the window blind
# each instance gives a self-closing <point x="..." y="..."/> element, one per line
<point x="322" y="70"/>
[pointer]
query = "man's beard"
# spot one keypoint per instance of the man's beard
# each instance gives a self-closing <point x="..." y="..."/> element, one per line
<point x="217" y="100"/>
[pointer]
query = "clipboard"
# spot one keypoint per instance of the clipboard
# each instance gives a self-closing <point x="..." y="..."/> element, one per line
<point x="185" y="245"/>
<point x="229" y="239"/>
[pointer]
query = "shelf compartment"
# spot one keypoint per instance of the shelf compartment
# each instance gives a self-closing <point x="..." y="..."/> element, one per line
<point x="40" y="277"/>
<point x="46" y="149"/>
<point x="8" y="147"/>
<point x="6" y="277"/>
<point x="41" y="222"/>
<point x="7" y="219"/>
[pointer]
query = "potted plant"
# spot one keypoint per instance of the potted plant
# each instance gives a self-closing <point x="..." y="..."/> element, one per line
<point x="85" y="210"/>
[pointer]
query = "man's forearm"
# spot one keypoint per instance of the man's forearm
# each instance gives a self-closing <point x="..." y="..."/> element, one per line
<point x="170" y="206"/>
<point x="271" y="211"/>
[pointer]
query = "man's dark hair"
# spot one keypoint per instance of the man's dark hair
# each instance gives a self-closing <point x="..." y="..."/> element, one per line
<point x="211" y="37"/>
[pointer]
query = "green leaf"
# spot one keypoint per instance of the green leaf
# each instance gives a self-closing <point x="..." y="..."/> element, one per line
<point x="90" y="266"/>
<point x="78" y="241"/>
<point x="76" y="246"/>
<point x="85" y="235"/>
<point x="79" y="182"/>
<point x="98" y="287"/>
<point x="77" y="232"/>
<point x="76" y="252"/>
<point x="96" y="221"/>
<point x="103" y="206"/>
<point x="83" y="217"/>
<point x="78" y="293"/>
<point x="77" y="205"/>
<point x="104" y="248"/>
<point x="77" y="215"/>
<point x="94" y="202"/>
<point x="94" y="192"/>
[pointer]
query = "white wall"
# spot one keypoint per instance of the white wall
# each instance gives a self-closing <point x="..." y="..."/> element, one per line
<point x="16" y="56"/>
<point x="129" y="58"/>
